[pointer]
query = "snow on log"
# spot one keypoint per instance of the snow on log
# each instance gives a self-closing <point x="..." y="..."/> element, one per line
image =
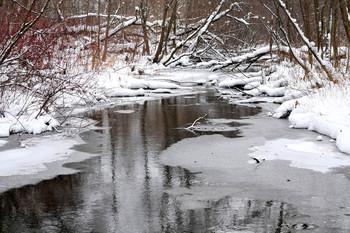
<point x="270" y="91"/>
<point x="285" y="109"/>
<point x="234" y="82"/>
<point x="249" y="57"/>
<point x="133" y="83"/>
<point x="252" y="85"/>
<point x="162" y="85"/>
<point x="124" y="92"/>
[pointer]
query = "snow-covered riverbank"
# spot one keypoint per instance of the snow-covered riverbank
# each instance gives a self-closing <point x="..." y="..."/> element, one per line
<point x="324" y="110"/>
<point x="314" y="104"/>
<point x="27" y="158"/>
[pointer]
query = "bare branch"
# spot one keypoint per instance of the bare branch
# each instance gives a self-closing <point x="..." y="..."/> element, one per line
<point x="24" y="28"/>
<point x="195" y="122"/>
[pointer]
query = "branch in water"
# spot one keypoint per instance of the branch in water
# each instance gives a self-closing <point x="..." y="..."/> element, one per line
<point x="194" y="123"/>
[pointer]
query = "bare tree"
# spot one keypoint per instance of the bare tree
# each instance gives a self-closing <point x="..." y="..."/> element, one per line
<point x="13" y="41"/>
<point x="109" y="11"/>
<point x="144" y="13"/>
<point x="306" y="15"/>
<point x="305" y="35"/>
<point x="165" y="29"/>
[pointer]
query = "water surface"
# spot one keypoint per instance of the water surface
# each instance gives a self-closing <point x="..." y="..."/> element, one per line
<point x="124" y="188"/>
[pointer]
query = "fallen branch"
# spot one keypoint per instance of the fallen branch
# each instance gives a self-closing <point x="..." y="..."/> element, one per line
<point x="195" y="122"/>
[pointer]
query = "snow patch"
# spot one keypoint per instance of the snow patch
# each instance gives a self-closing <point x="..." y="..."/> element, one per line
<point x="124" y="92"/>
<point x="302" y="154"/>
<point x="125" y="111"/>
<point x="37" y="152"/>
<point x="2" y="143"/>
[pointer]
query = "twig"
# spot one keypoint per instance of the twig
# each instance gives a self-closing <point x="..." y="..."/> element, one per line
<point x="17" y="119"/>
<point x="193" y="124"/>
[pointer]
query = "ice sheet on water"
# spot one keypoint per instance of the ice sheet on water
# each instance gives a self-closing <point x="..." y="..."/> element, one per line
<point x="316" y="156"/>
<point x="34" y="155"/>
<point x="2" y="142"/>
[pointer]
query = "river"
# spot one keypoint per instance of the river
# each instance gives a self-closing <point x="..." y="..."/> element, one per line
<point x="136" y="183"/>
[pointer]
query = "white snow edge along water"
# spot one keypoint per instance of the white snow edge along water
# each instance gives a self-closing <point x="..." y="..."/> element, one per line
<point x="302" y="154"/>
<point x="326" y="111"/>
<point x="10" y="124"/>
<point x="34" y="155"/>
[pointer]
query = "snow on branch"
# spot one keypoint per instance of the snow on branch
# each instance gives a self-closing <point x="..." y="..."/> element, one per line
<point x="325" y="67"/>
<point x="240" y="20"/>
<point x="240" y="59"/>
<point x="200" y="29"/>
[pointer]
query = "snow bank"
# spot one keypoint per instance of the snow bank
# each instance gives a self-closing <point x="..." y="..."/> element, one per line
<point x="326" y="111"/>
<point x="162" y="91"/>
<point x="253" y="86"/>
<point x="4" y="127"/>
<point x="343" y="141"/>
<point x="314" y="104"/>
<point x="10" y="124"/>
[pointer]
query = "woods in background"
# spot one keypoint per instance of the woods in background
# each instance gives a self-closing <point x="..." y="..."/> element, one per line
<point x="320" y="26"/>
<point x="53" y="41"/>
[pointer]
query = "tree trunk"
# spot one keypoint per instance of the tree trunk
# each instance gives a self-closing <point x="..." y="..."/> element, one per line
<point x="87" y="13"/>
<point x="290" y="5"/>
<point x="334" y="33"/>
<point x="96" y="57"/>
<point x="144" y="16"/>
<point x="109" y="11"/>
<point x="169" y="27"/>
<point x="317" y="24"/>
<point x="344" y="14"/>
<point x="323" y="29"/>
<point x="156" y="57"/>
<point x="307" y="23"/>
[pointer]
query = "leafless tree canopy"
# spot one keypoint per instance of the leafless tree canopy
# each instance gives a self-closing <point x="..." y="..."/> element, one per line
<point x="322" y="26"/>
<point x="47" y="41"/>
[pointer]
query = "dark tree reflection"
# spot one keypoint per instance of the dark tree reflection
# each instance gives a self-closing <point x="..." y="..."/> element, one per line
<point x="123" y="189"/>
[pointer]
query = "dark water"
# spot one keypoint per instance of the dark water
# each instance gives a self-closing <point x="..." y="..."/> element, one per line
<point x="123" y="188"/>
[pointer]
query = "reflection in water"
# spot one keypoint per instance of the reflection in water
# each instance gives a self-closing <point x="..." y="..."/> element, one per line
<point x="123" y="189"/>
